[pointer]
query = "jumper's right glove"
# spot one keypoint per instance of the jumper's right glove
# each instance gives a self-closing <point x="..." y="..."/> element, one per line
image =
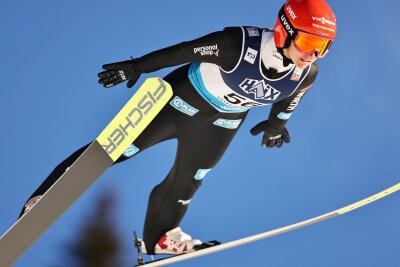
<point x="272" y="136"/>
<point x="118" y="72"/>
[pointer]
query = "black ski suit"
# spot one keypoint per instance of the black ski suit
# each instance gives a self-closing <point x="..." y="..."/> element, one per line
<point x="203" y="122"/>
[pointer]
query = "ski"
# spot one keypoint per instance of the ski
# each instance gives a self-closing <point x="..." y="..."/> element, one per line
<point x="271" y="233"/>
<point x="119" y="134"/>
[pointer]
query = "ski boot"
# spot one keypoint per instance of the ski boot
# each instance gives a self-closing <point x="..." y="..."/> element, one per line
<point x="174" y="242"/>
<point x="31" y="202"/>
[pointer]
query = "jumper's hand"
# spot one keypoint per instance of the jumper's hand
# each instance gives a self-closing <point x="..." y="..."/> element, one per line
<point x="118" y="72"/>
<point x="272" y="136"/>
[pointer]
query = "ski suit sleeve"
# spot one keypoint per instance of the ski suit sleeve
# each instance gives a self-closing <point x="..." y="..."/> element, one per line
<point x="282" y="110"/>
<point x="222" y="48"/>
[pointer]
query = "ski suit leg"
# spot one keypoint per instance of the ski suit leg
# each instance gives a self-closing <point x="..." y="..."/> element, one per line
<point x="199" y="151"/>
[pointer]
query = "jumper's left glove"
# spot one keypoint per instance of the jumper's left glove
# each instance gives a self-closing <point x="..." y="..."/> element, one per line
<point x="118" y="72"/>
<point x="272" y="136"/>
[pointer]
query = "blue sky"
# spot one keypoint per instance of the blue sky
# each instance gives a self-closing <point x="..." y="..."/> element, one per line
<point x="345" y="133"/>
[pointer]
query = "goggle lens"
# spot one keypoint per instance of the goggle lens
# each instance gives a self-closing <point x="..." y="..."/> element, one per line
<point x="310" y="44"/>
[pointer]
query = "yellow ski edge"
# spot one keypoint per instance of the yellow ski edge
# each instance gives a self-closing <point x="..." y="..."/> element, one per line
<point x="370" y="199"/>
<point x="135" y="116"/>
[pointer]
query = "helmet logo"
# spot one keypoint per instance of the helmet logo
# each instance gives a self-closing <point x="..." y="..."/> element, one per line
<point x="287" y="26"/>
<point x="291" y="12"/>
<point x="323" y="20"/>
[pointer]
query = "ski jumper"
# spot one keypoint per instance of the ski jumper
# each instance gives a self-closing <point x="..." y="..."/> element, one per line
<point x="225" y="74"/>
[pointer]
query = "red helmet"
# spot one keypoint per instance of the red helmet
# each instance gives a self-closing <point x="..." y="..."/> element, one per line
<point x="310" y="16"/>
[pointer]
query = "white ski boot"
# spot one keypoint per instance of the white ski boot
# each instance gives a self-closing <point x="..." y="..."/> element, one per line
<point x="31" y="202"/>
<point x="174" y="242"/>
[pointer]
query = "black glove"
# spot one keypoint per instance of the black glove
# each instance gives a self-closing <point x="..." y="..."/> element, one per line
<point x="118" y="72"/>
<point x="272" y="136"/>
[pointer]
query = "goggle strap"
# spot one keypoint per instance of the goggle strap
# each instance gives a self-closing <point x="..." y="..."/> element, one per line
<point x="287" y="25"/>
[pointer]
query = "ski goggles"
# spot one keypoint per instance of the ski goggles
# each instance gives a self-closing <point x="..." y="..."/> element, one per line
<point x="312" y="44"/>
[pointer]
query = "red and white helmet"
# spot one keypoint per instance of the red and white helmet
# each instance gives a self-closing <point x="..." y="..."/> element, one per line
<point x="310" y="16"/>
